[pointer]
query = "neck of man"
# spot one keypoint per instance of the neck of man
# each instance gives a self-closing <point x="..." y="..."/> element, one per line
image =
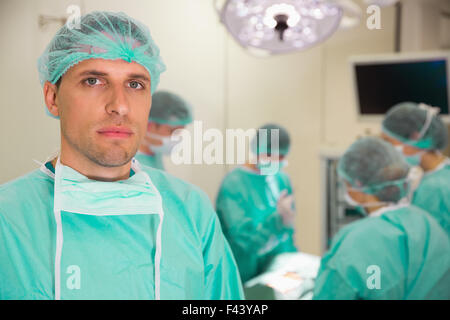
<point x="252" y="166"/>
<point x="77" y="161"/>
<point x="431" y="160"/>
<point x="373" y="199"/>
<point x="373" y="209"/>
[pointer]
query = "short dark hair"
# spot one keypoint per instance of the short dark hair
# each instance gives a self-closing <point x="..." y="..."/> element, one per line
<point x="58" y="83"/>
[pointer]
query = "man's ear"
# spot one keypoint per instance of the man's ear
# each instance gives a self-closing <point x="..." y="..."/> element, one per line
<point x="50" y="90"/>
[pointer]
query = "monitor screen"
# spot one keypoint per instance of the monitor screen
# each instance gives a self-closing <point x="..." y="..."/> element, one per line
<point x="381" y="85"/>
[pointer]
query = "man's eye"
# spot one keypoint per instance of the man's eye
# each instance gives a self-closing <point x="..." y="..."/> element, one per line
<point x="135" y="85"/>
<point x="92" y="81"/>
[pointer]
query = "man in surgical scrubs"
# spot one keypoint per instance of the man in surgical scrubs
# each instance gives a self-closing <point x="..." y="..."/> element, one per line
<point x="398" y="251"/>
<point x="169" y="112"/>
<point x="93" y="223"/>
<point x="256" y="209"/>
<point x="417" y="131"/>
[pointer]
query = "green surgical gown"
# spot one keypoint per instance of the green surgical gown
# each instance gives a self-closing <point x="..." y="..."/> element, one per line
<point x="196" y="261"/>
<point x="402" y="254"/>
<point x="153" y="161"/>
<point x="433" y="196"/>
<point x="246" y="205"/>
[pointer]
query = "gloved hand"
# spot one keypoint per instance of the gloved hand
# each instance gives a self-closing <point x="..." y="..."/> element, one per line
<point x="285" y="208"/>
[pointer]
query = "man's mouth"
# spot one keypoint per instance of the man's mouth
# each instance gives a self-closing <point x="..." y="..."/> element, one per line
<point x="115" y="132"/>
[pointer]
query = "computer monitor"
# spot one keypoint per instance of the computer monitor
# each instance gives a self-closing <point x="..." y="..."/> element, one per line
<point x="385" y="80"/>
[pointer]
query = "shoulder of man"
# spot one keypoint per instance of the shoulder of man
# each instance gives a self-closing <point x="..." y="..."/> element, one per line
<point x="363" y="232"/>
<point x="179" y="195"/>
<point x="435" y="182"/>
<point x="17" y="192"/>
<point x="235" y="177"/>
<point x="284" y="177"/>
<point x="184" y="204"/>
<point x="166" y="182"/>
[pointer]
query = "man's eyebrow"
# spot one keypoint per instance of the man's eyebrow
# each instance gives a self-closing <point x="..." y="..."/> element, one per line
<point x="139" y="76"/>
<point x="102" y="74"/>
<point x="92" y="73"/>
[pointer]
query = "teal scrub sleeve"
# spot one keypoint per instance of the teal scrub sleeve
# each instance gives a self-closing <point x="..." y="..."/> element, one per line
<point x="242" y="231"/>
<point x="222" y="280"/>
<point x="330" y="285"/>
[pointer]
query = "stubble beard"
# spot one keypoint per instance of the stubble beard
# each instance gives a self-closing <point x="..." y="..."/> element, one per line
<point x="110" y="157"/>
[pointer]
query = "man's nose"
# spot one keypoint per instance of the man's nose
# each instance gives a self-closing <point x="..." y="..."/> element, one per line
<point x="118" y="101"/>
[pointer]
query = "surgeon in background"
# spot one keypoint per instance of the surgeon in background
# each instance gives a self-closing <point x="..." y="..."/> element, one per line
<point x="257" y="210"/>
<point x="398" y="251"/>
<point x="420" y="135"/>
<point x="168" y="113"/>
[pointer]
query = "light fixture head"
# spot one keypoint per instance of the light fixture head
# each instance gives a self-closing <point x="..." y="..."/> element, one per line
<point x="381" y="3"/>
<point x="280" y="26"/>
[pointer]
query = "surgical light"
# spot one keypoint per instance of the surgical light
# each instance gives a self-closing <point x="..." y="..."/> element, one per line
<point x="280" y="26"/>
<point x="381" y="3"/>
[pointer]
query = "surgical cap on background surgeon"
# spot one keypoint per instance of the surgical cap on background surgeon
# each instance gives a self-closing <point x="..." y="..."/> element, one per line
<point x="262" y="142"/>
<point x="375" y="167"/>
<point x="101" y="35"/>
<point x="417" y="125"/>
<point x="169" y="108"/>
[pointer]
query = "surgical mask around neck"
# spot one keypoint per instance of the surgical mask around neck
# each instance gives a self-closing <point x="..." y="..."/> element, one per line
<point x="415" y="159"/>
<point x="168" y="143"/>
<point x="361" y="207"/>
<point x="350" y="201"/>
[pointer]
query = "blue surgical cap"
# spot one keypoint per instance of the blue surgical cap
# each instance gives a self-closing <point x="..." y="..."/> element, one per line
<point x="374" y="166"/>
<point x="417" y="125"/>
<point x="101" y="35"/>
<point x="169" y="108"/>
<point x="262" y="142"/>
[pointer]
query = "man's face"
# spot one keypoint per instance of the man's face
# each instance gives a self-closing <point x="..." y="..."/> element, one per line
<point x="103" y="106"/>
<point x="164" y="130"/>
<point x="267" y="158"/>
<point x="407" y="149"/>
<point x="356" y="195"/>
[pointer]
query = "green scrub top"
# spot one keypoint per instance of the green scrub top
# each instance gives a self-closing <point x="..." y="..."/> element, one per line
<point x="246" y="206"/>
<point x="433" y="195"/>
<point x="401" y="254"/>
<point x="196" y="261"/>
<point x="154" y="161"/>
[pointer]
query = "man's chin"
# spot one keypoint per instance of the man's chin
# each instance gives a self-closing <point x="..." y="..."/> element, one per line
<point x="112" y="158"/>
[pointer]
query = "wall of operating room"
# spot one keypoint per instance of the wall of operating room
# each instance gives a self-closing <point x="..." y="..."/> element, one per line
<point x="308" y="92"/>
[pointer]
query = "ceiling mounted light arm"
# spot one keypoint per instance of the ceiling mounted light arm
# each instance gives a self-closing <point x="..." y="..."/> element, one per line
<point x="218" y="6"/>
<point x="352" y="14"/>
